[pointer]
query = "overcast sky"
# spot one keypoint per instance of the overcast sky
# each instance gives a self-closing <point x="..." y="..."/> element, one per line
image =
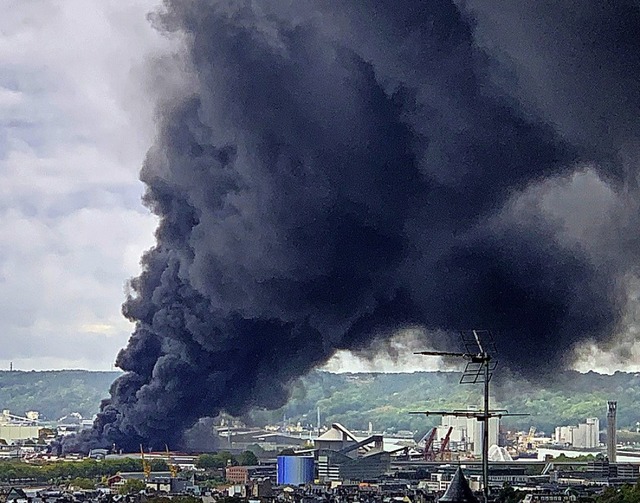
<point x="76" y="121"/>
<point x="75" y="127"/>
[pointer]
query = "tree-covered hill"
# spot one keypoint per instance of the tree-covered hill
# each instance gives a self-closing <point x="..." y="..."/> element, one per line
<point x="54" y="393"/>
<point x="385" y="400"/>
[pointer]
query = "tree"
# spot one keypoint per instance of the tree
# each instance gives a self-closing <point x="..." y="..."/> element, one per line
<point x="159" y="465"/>
<point x="576" y="459"/>
<point x="207" y="461"/>
<point x="82" y="483"/>
<point x="247" y="458"/>
<point x="626" y="494"/>
<point x="132" y="486"/>
<point x="219" y="460"/>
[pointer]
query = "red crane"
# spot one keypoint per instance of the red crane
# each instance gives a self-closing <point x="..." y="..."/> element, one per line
<point x="429" y="455"/>
<point x="444" y="446"/>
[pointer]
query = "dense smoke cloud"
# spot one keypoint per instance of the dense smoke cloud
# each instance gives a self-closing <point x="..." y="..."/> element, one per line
<point x="337" y="171"/>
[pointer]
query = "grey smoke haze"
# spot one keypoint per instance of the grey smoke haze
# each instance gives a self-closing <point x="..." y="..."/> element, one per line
<point x="335" y="172"/>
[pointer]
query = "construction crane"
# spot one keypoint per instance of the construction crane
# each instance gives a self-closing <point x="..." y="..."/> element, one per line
<point x="7" y="418"/>
<point x="173" y="468"/>
<point x="532" y="432"/>
<point x="527" y="441"/>
<point x="428" y="439"/>
<point x="146" y="466"/>
<point x="445" y="452"/>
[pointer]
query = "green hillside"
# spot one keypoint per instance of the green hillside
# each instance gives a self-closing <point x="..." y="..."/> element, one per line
<point x="54" y="393"/>
<point x="385" y="400"/>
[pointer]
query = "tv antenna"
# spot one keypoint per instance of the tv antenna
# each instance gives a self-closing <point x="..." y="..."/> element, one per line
<point x="480" y="351"/>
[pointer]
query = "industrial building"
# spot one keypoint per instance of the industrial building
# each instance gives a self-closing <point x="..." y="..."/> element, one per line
<point x="466" y="434"/>
<point x="242" y="439"/>
<point x="583" y="436"/>
<point x="334" y="465"/>
<point x="337" y="455"/>
<point x="295" y="470"/>
<point x="244" y="474"/>
<point x="14" y="429"/>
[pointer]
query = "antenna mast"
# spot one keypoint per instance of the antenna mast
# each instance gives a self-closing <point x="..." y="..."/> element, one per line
<point x="479" y="347"/>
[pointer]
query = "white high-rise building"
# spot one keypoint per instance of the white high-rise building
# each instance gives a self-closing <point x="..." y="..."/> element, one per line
<point x="586" y="435"/>
<point x="468" y="430"/>
<point x="589" y="433"/>
<point x="460" y="432"/>
<point x="494" y="429"/>
<point x="564" y="434"/>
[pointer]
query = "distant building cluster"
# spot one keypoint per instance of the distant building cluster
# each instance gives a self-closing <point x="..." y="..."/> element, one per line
<point x="17" y="428"/>
<point x="583" y="436"/>
<point x="466" y="435"/>
<point x="332" y="463"/>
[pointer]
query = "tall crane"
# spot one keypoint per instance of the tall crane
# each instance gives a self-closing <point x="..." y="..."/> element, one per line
<point x="173" y="468"/>
<point x="530" y="437"/>
<point x="146" y="466"/>
<point x="445" y="452"/>
<point x="7" y="418"/>
<point x="428" y="439"/>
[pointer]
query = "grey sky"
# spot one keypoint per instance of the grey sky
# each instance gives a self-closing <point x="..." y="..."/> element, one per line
<point x="75" y="125"/>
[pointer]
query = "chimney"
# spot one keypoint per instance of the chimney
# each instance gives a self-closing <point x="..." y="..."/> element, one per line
<point x="611" y="431"/>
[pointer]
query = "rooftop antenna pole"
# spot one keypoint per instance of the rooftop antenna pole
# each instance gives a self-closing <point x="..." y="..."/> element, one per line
<point x="479" y="368"/>
<point x="484" y="359"/>
<point x="485" y="423"/>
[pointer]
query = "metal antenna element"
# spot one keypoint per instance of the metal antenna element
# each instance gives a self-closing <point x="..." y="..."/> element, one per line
<point x="480" y="351"/>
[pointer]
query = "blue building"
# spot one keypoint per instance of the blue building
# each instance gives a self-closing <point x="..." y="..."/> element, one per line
<point x="295" y="470"/>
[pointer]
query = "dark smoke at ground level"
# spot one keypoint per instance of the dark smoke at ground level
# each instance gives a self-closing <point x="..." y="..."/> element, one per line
<point x="337" y="172"/>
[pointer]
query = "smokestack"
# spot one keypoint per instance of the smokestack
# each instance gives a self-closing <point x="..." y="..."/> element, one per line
<point x="611" y="431"/>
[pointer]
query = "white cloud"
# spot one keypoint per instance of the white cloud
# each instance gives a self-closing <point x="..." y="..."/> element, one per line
<point x="398" y="354"/>
<point x="75" y="120"/>
<point x="9" y="99"/>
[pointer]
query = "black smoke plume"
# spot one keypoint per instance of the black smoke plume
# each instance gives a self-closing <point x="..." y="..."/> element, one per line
<point x="336" y="171"/>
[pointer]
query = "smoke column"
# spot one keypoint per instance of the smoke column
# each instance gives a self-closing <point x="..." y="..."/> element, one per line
<point x="336" y="171"/>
